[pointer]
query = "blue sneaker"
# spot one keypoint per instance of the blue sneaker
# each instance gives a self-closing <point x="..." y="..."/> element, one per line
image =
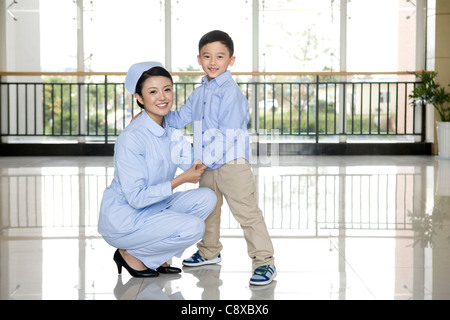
<point x="197" y="260"/>
<point x="263" y="275"/>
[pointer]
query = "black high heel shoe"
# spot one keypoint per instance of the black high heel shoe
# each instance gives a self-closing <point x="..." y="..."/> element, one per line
<point x="168" y="269"/>
<point x="120" y="262"/>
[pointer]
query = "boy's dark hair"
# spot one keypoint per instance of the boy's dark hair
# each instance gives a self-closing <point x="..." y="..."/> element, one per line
<point x="217" y="35"/>
<point x="155" y="71"/>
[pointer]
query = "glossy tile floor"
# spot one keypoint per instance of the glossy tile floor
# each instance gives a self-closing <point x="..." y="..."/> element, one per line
<point x="343" y="227"/>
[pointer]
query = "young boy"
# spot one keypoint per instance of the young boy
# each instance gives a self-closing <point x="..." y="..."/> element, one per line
<point x="219" y="113"/>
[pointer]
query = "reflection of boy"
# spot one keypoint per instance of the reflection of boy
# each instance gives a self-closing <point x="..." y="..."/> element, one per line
<point x="219" y="113"/>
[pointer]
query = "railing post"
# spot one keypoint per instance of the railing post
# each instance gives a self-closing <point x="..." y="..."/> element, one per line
<point x="83" y="109"/>
<point x="255" y="114"/>
<point x="1" y="110"/>
<point x="82" y="125"/>
<point x="342" y="114"/>
<point x="343" y="68"/>
<point x="106" y="109"/>
<point x="317" y="109"/>
<point x="424" y="123"/>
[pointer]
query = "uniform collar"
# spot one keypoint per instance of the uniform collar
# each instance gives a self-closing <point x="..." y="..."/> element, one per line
<point x="220" y="80"/>
<point x="152" y="126"/>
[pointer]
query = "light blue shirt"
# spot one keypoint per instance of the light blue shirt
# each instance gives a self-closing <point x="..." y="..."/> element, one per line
<point x="219" y="113"/>
<point x="146" y="157"/>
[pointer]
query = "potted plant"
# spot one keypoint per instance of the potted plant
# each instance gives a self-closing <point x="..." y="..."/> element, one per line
<point x="428" y="91"/>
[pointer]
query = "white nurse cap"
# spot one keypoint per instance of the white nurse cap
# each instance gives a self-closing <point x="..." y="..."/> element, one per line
<point x="136" y="71"/>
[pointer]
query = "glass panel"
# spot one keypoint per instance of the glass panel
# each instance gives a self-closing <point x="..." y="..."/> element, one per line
<point x="58" y="23"/>
<point x="192" y="19"/>
<point x="299" y="35"/>
<point x="120" y="33"/>
<point x="381" y="35"/>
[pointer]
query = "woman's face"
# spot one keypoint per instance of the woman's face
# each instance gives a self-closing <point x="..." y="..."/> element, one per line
<point x="157" y="97"/>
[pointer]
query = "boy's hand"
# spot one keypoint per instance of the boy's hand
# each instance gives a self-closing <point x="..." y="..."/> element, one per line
<point x="199" y="165"/>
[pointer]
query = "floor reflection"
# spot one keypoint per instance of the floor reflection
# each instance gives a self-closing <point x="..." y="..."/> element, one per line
<point x="147" y="289"/>
<point x="343" y="228"/>
<point x="166" y="287"/>
<point x="208" y="279"/>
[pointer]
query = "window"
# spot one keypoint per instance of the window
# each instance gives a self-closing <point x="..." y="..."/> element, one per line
<point x="119" y="33"/>
<point x="380" y="35"/>
<point x="293" y="35"/>
<point x="299" y="35"/>
<point x="385" y="97"/>
<point x="192" y="19"/>
<point x="58" y="35"/>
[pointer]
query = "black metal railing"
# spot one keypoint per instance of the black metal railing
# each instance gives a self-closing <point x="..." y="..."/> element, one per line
<point x="313" y="109"/>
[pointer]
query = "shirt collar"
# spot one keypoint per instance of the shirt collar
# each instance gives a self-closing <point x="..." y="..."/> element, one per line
<point x="152" y="126"/>
<point x="220" y="80"/>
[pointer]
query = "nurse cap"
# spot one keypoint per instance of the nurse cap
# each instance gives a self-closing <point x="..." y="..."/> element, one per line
<point x="135" y="72"/>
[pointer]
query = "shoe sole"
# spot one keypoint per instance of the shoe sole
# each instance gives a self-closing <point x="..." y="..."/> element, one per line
<point x="203" y="263"/>
<point x="263" y="283"/>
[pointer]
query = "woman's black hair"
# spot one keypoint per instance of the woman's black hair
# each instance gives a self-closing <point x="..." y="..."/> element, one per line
<point x="155" y="71"/>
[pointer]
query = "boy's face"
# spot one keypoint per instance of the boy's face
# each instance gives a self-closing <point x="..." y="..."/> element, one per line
<point x="215" y="58"/>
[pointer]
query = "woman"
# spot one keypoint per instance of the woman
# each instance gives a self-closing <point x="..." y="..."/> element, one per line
<point x="139" y="213"/>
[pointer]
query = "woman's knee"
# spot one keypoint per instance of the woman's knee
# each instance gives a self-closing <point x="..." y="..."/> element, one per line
<point x="194" y="228"/>
<point x="208" y="198"/>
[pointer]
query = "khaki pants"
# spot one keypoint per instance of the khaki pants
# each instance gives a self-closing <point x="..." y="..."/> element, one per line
<point x="235" y="181"/>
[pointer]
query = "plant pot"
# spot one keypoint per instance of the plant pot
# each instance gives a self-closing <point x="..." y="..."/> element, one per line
<point x="443" y="137"/>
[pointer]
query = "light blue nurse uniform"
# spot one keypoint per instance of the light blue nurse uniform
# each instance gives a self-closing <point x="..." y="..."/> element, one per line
<point x="139" y="211"/>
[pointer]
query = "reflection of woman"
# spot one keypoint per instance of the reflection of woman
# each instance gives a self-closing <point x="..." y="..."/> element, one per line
<point x="139" y="212"/>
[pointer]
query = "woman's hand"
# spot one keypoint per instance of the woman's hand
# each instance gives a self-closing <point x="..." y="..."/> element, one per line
<point x="192" y="175"/>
